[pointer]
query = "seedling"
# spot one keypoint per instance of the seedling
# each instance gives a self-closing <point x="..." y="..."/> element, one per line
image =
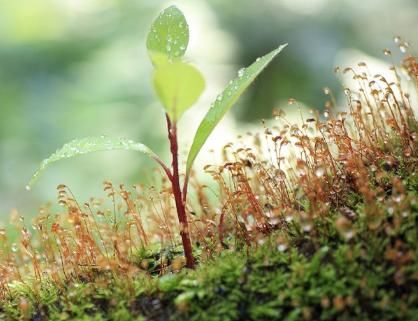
<point x="178" y="85"/>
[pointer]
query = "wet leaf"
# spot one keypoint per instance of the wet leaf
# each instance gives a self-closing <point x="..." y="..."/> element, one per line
<point x="178" y="86"/>
<point x="90" y="145"/>
<point x="169" y="35"/>
<point x="226" y="100"/>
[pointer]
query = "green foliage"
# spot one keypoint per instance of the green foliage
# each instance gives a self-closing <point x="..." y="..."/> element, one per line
<point x="226" y="100"/>
<point x="178" y="86"/>
<point x="89" y="145"/>
<point x="169" y="35"/>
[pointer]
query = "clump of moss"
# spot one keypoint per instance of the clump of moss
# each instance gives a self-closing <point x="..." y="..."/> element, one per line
<point x="371" y="275"/>
<point x="321" y="227"/>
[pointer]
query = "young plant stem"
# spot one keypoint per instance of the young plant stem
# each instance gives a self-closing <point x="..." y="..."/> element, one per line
<point x="185" y="185"/>
<point x="164" y="167"/>
<point x="178" y="197"/>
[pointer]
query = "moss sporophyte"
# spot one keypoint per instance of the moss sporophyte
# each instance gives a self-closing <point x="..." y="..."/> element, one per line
<point x="178" y="85"/>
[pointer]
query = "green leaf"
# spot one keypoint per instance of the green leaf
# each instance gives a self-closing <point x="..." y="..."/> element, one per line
<point x="178" y="85"/>
<point x="169" y="35"/>
<point x="90" y="145"/>
<point x="226" y="100"/>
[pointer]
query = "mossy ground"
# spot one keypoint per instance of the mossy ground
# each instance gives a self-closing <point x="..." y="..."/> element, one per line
<point x="372" y="275"/>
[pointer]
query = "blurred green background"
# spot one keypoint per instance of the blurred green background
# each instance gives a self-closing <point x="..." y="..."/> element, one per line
<point x="75" y="68"/>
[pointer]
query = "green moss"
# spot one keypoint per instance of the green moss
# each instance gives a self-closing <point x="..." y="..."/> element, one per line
<point x="337" y="279"/>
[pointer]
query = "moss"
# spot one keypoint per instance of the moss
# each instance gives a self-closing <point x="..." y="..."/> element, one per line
<point x="352" y="280"/>
<point x="339" y="279"/>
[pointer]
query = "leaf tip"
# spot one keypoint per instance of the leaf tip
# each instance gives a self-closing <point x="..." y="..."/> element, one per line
<point x="281" y="47"/>
<point x="173" y="7"/>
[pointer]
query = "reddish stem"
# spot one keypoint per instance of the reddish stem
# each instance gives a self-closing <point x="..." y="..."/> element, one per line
<point x="178" y="197"/>
<point x="185" y="185"/>
<point x="164" y="167"/>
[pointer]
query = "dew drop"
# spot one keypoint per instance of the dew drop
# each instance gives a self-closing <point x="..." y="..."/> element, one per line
<point x="398" y="198"/>
<point x="241" y="72"/>
<point x="307" y="227"/>
<point x="261" y="241"/>
<point x="348" y="234"/>
<point x="27" y="187"/>
<point x="274" y="221"/>
<point x="282" y="247"/>
<point x="387" y="52"/>
<point x="14" y="247"/>
<point x="319" y="171"/>
<point x="344" y="227"/>
<point x="288" y="218"/>
<point x="402" y="48"/>
<point x="282" y="243"/>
